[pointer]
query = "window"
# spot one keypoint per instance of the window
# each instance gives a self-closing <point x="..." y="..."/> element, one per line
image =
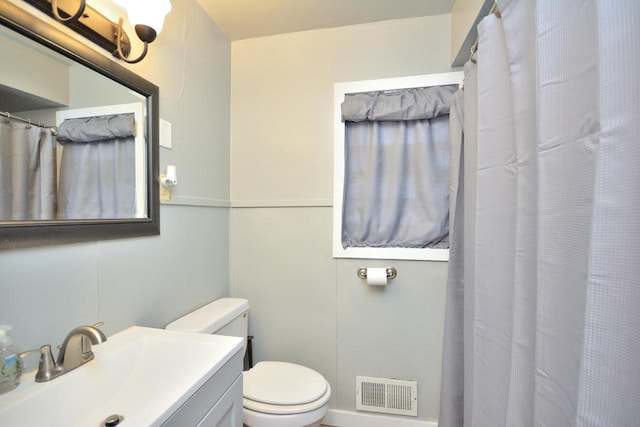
<point x="391" y="167"/>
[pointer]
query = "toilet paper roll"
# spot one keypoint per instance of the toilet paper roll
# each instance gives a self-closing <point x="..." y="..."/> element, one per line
<point x="377" y="276"/>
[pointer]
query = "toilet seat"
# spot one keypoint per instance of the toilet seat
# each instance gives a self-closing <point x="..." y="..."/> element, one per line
<point x="282" y="388"/>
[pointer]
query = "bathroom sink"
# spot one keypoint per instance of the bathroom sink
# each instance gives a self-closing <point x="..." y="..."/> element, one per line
<point x="142" y="374"/>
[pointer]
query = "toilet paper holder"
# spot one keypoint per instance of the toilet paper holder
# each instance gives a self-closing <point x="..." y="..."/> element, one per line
<point x="391" y="273"/>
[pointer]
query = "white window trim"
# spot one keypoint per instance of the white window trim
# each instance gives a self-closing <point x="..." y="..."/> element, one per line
<point x="339" y="92"/>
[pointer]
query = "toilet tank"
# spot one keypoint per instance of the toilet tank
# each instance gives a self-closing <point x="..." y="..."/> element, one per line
<point x="225" y="316"/>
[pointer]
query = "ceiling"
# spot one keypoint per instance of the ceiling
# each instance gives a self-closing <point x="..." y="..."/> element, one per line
<point x="242" y="19"/>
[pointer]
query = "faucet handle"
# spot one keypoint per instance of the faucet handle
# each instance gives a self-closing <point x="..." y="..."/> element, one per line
<point x="47" y="368"/>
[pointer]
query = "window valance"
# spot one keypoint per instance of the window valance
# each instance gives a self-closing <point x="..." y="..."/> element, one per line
<point x="402" y="105"/>
<point x="98" y="128"/>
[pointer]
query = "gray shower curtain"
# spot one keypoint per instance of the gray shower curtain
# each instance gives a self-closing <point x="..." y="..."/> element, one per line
<point x="542" y="320"/>
<point x="97" y="170"/>
<point x="27" y="172"/>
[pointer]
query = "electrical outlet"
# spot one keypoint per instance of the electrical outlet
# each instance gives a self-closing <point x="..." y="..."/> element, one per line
<point x="165" y="192"/>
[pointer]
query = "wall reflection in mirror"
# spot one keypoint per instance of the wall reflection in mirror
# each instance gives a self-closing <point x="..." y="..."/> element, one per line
<point x="72" y="142"/>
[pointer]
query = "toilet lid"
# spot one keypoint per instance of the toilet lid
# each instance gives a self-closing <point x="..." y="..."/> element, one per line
<point x="281" y="383"/>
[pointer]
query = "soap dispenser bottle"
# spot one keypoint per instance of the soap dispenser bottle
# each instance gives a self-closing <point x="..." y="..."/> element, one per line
<point x="10" y="364"/>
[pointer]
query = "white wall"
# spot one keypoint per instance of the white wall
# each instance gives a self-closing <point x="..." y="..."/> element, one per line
<point x="307" y="307"/>
<point x="465" y="15"/>
<point x="24" y="71"/>
<point x="45" y="292"/>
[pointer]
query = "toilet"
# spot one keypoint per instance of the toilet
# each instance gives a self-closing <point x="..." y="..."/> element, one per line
<point x="275" y="394"/>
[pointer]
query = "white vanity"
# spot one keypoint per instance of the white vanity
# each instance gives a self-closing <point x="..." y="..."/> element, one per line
<point x="218" y="403"/>
<point x="149" y="377"/>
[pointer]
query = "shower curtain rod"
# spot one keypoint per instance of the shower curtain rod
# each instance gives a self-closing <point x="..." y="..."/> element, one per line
<point x="8" y="115"/>
<point x="494" y="10"/>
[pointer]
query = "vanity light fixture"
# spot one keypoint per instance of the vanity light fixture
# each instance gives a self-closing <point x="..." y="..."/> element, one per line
<point x="146" y="16"/>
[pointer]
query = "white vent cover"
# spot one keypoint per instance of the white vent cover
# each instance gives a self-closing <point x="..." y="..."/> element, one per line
<point x="386" y="395"/>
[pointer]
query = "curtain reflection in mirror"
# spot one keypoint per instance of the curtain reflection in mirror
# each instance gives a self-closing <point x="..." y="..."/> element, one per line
<point x="97" y="168"/>
<point x="27" y="171"/>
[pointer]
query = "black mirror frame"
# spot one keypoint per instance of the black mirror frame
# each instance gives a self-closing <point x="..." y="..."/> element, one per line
<point x="20" y="234"/>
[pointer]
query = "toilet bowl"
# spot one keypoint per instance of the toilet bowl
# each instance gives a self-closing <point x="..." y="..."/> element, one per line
<point x="275" y="394"/>
<point x="279" y="394"/>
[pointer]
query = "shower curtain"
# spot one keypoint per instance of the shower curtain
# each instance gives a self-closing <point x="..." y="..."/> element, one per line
<point x="542" y="320"/>
<point x="27" y="172"/>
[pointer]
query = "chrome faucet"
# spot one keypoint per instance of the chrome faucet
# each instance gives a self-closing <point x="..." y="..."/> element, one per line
<point x="75" y="351"/>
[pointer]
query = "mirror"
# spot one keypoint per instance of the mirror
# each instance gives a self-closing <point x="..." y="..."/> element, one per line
<point x="51" y="80"/>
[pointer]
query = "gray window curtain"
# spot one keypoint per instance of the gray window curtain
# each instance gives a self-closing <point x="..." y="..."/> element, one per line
<point x="542" y="324"/>
<point x="396" y="168"/>
<point x="97" y="169"/>
<point x="27" y="172"/>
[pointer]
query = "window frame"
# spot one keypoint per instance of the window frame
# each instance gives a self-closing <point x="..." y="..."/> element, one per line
<point x="340" y="90"/>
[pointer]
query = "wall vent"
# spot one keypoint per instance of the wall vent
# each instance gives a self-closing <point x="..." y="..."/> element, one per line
<point x="386" y="395"/>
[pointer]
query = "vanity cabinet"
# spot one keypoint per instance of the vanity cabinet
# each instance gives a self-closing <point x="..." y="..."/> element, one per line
<point x="218" y="403"/>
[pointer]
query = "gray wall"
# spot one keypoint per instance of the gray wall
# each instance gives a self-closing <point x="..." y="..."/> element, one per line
<point x="307" y="307"/>
<point x="45" y="292"/>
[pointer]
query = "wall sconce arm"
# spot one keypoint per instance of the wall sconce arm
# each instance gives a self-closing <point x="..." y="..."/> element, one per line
<point x="123" y="55"/>
<point x="56" y="11"/>
<point x="91" y="24"/>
